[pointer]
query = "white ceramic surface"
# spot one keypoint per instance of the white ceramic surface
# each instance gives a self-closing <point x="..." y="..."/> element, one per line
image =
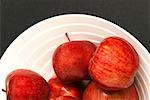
<point x="33" y="49"/>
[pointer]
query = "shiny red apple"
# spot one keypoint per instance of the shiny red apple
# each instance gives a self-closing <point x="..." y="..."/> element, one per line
<point x="63" y="98"/>
<point x="114" y="64"/>
<point x="93" y="92"/>
<point x="63" y="91"/>
<point x="71" y="60"/>
<point x="24" y="84"/>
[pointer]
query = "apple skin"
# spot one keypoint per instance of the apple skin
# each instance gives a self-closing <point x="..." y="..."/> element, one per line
<point x="63" y="98"/>
<point x="114" y="64"/>
<point x="71" y="60"/>
<point x="93" y="92"/>
<point x="23" y="84"/>
<point x="64" y="91"/>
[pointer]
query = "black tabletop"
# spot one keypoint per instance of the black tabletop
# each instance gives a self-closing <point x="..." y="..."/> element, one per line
<point x="18" y="15"/>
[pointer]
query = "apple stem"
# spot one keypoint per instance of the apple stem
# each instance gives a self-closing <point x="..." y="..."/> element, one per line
<point x="67" y="37"/>
<point x="3" y="90"/>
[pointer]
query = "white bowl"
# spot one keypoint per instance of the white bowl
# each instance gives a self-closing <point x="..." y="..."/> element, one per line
<point x="34" y="48"/>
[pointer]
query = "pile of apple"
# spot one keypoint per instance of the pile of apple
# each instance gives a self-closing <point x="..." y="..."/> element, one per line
<point x="83" y="72"/>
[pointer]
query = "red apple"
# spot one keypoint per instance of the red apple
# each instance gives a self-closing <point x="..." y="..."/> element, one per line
<point x="71" y="60"/>
<point x="63" y="91"/>
<point x="114" y="64"/>
<point x="93" y="92"/>
<point x="63" y="98"/>
<point x="24" y="84"/>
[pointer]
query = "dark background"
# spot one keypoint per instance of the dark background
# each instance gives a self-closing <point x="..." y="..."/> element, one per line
<point x="18" y="15"/>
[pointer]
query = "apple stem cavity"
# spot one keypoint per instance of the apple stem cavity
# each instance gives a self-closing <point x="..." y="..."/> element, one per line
<point x="67" y="37"/>
<point x="3" y="90"/>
